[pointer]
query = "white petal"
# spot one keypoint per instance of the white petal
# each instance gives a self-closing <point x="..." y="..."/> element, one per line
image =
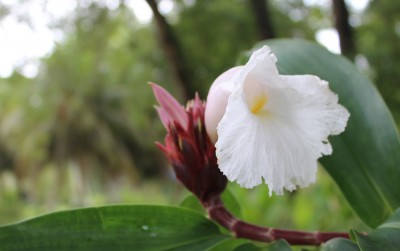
<point x="217" y="101"/>
<point x="320" y="104"/>
<point x="282" y="143"/>
<point x="250" y="148"/>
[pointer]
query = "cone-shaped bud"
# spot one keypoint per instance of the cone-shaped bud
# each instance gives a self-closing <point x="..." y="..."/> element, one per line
<point x="188" y="146"/>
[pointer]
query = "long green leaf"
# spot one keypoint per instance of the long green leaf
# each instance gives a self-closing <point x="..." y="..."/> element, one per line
<point x="366" y="157"/>
<point x="123" y="227"/>
<point x="386" y="237"/>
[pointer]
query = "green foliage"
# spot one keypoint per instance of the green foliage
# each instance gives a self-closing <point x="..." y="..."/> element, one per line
<point x="230" y="202"/>
<point x="229" y="244"/>
<point x="211" y="51"/>
<point x="280" y="245"/>
<point x="97" y="81"/>
<point x="211" y="44"/>
<point x="89" y="106"/>
<point x="113" y="228"/>
<point x="385" y="237"/>
<point x="378" y="38"/>
<point x="365" y="158"/>
<point x="248" y="247"/>
<point x="294" y="19"/>
<point x="339" y="244"/>
<point x="191" y="202"/>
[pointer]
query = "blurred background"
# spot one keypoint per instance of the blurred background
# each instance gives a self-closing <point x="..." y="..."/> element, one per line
<point x="77" y="123"/>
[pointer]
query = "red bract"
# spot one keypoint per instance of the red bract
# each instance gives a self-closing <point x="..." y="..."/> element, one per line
<point x="188" y="146"/>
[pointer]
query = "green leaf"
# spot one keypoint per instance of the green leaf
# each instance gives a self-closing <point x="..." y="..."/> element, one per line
<point x="229" y="244"/>
<point x="123" y="227"/>
<point x="231" y="203"/>
<point x="191" y="202"/>
<point x="227" y="197"/>
<point x="366" y="158"/>
<point x="339" y="244"/>
<point x="248" y="247"/>
<point x="386" y="237"/>
<point x="280" y="245"/>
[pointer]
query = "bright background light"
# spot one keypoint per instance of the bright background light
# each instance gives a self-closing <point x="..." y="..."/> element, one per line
<point x="329" y="38"/>
<point x="21" y="46"/>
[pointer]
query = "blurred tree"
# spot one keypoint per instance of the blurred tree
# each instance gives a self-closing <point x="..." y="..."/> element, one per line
<point x="211" y="44"/>
<point x="90" y="105"/>
<point x="173" y="52"/>
<point x="294" y="19"/>
<point x="97" y="78"/>
<point x="261" y="12"/>
<point x="22" y="134"/>
<point x="341" y="18"/>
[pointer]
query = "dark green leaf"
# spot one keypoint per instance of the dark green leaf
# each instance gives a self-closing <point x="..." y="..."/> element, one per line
<point x="228" y="198"/>
<point x="339" y="244"/>
<point x="385" y="238"/>
<point x="248" y="247"/>
<point x="366" y="157"/>
<point x="280" y="245"/>
<point x="229" y="244"/>
<point x="122" y="227"/>
<point x="191" y="202"/>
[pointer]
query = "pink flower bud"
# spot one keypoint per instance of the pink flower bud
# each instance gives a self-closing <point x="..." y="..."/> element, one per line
<point x="169" y="110"/>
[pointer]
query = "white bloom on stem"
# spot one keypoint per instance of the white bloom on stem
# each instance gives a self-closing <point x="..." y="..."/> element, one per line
<point x="270" y="126"/>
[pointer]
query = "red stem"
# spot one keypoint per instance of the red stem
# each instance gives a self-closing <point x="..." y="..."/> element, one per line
<point x="217" y="211"/>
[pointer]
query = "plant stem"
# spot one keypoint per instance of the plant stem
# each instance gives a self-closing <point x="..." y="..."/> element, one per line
<point x="217" y="211"/>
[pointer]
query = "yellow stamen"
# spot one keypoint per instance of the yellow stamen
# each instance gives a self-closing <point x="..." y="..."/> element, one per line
<point x="258" y="103"/>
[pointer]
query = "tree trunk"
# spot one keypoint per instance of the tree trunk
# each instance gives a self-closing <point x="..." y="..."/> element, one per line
<point x="173" y="52"/>
<point x="341" y="17"/>
<point x="263" y="21"/>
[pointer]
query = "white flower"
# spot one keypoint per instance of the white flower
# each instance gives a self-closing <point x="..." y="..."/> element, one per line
<point x="274" y="127"/>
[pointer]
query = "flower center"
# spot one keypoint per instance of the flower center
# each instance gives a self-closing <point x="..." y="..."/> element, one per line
<point x="255" y="94"/>
<point x="258" y="103"/>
